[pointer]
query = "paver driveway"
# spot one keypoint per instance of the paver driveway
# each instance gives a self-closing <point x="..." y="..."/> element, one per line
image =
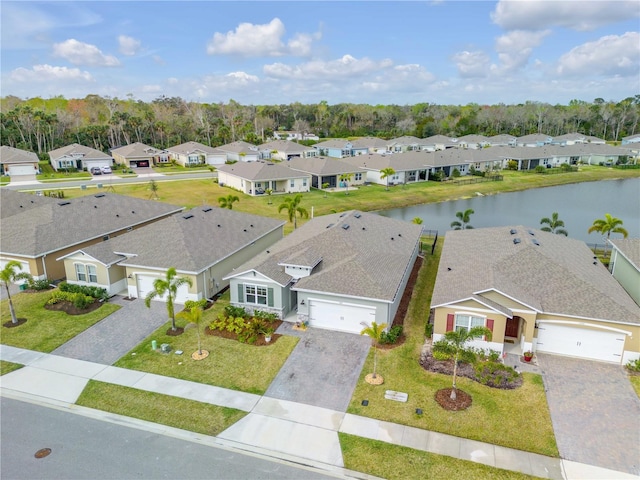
<point x="595" y="412"/>
<point x="323" y="368"/>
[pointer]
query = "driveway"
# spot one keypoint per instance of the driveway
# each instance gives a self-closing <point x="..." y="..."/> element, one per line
<point x="23" y="179"/>
<point x="595" y="412"/>
<point x="114" y="336"/>
<point x="323" y="368"/>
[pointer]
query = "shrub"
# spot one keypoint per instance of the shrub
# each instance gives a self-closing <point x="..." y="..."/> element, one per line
<point x="95" y="292"/>
<point x="79" y="300"/>
<point x="496" y="375"/>
<point x="455" y="173"/>
<point x="189" y="304"/>
<point x="39" y="285"/>
<point x="540" y="169"/>
<point x="268" y="316"/>
<point x="428" y="330"/>
<point x="634" y="365"/>
<point x="231" y="311"/>
<point x="392" y="335"/>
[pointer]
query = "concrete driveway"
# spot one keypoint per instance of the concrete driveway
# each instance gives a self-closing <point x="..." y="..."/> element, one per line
<point x="23" y="179"/>
<point x="595" y="412"/>
<point x="323" y="368"/>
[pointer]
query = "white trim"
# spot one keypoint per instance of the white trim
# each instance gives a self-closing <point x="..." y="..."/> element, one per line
<point x="583" y="324"/>
<point x="480" y="292"/>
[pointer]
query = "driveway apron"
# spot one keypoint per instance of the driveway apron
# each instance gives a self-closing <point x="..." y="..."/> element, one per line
<point x="323" y="368"/>
<point x="114" y="336"/>
<point x="595" y="412"/>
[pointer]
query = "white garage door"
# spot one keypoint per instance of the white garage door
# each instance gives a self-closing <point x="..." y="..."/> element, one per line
<point x="145" y="285"/>
<point x="594" y="344"/>
<point x="25" y="269"/>
<point x="15" y="170"/>
<point x="343" y="317"/>
<point x="97" y="163"/>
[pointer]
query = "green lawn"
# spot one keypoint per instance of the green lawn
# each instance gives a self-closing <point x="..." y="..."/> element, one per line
<point x="45" y="330"/>
<point x="496" y="416"/>
<point x="635" y="383"/>
<point x="7" y="367"/>
<point x="163" y="409"/>
<point x="393" y="462"/>
<point x="231" y="364"/>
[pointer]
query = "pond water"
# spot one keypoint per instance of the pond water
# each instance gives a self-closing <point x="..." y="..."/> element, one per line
<point x="578" y="205"/>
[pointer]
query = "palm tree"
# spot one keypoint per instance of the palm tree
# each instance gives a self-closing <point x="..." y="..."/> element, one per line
<point x="463" y="220"/>
<point x="153" y="186"/>
<point x="607" y="226"/>
<point x="169" y="286"/>
<point x="417" y="220"/>
<point x="375" y="332"/>
<point x="553" y="225"/>
<point x="193" y="315"/>
<point x="9" y="275"/>
<point x="456" y="341"/>
<point x="325" y="185"/>
<point x="293" y="208"/>
<point x="346" y="178"/>
<point x="228" y="201"/>
<point x="386" y="173"/>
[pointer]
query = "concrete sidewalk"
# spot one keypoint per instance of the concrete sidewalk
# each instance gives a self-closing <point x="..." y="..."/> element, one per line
<point x="288" y="430"/>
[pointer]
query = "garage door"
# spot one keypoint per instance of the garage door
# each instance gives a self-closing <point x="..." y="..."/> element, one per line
<point x="343" y="317"/>
<point x="145" y="285"/>
<point x="25" y="269"/>
<point x="21" y="170"/>
<point x="594" y="344"/>
<point x="88" y="164"/>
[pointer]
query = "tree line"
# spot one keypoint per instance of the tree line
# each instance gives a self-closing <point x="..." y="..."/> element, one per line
<point x="41" y="125"/>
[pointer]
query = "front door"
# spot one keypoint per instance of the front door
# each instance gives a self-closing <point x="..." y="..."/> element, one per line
<point x="511" y="330"/>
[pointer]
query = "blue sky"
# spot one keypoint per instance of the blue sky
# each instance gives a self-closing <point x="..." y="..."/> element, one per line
<point x="383" y="52"/>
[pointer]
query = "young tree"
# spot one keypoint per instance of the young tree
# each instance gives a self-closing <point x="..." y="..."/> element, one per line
<point x="386" y="173"/>
<point x="193" y="315"/>
<point x="454" y="343"/>
<point x="228" y="201"/>
<point x="325" y="185"/>
<point x="269" y="191"/>
<point x="8" y="275"/>
<point x="153" y="187"/>
<point x="346" y="178"/>
<point x="375" y="332"/>
<point x="607" y="226"/>
<point x="463" y="220"/>
<point x="293" y="208"/>
<point x="553" y="225"/>
<point x="169" y="286"/>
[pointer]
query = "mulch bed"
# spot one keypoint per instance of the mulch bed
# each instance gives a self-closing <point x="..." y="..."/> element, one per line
<point x="260" y="341"/>
<point x="70" y="309"/>
<point x="10" y="324"/>
<point x="174" y="333"/>
<point x="462" y="402"/>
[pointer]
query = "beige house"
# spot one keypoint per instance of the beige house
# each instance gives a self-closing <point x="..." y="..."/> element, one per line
<point x="139" y="155"/>
<point x="14" y="162"/>
<point x="535" y="291"/>
<point x="203" y="244"/>
<point x="36" y="231"/>
<point x="331" y="172"/>
<point x="259" y="178"/>
<point x="80" y="157"/>
<point x="192" y="154"/>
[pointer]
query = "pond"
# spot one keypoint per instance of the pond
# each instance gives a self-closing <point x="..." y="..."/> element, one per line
<point x="578" y="205"/>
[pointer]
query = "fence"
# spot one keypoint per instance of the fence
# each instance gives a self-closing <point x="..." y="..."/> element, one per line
<point x="474" y="179"/>
<point x="425" y="241"/>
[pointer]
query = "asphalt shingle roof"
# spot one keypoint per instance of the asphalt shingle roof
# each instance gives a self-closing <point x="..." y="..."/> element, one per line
<point x="322" y="166"/>
<point x="630" y="248"/>
<point x="16" y="155"/>
<point x="557" y="276"/>
<point x="136" y="149"/>
<point x="261" y="171"/>
<point x="77" y="149"/>
<point x="190" y="147"/>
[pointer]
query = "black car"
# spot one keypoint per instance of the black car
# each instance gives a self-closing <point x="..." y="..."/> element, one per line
<point x="96" y="171"/>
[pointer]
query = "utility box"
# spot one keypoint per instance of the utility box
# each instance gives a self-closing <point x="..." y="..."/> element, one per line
<point x="165" y="347"/>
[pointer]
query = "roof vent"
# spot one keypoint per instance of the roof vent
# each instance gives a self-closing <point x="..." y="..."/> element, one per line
<point x="208" y="209"/>
<point x="95" y="206"/>
<point x="329" y="226"/>
<point x="251" y="225"/>
<point x="531" y="232"/>
<point x="345" y="226"/>
<point x="513" y="231"/>
<point x="133" y="211"/>
<point x="244" y="229"/>
<point x="187" y="217"/>
<point x="100" y="195"/>
<point x="535" y="241"/>
<point x="363" y="228"/>
<point x="399" y="234"/>
<point x="392" y="238"/>
<point x="118" y="215"/>
<point x="595" y="263"/>
<point x="357" y="215"/>
<point x="516" y="241"/>
<point x="218" y="225"/>
<point x="62" y="204"/>
<point x="342" y="215"/>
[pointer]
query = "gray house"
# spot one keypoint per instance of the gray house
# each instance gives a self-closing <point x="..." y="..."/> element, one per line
<point x="625" y="265"/>
<point x="337" y="272"/>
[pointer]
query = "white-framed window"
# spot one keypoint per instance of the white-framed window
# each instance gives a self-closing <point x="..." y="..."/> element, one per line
<point x="467" y="322"/>
<point x="81" y="274"/>
<point x="92" y="273"/>
<point x="304" y="182"/>
<point x="293" y="182"/>
<point x="255" y="294"/>
<point x="358" y="177"/>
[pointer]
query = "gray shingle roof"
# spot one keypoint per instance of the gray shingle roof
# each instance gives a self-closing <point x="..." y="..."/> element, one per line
<point x="630" y="248"/>
<point x="76" y="149"/>
<point x="136" y="149"/>
<point x="558" y="276"/>
<point x="261" y="171"/>
<point x="368" y="259"/>
<point x="286" y="146"/>
<point x="13" y="202"/>
<point x="322" y="166"/>
<point x="52" y="224"/>
<point x="16" y="155"/>
<point x="190" y="147"/>
<point x="238" y="147"/>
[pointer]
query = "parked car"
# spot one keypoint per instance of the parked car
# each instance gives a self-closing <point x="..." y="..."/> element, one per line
<point x="96" y="171"/>
<point x="106" y="169"/>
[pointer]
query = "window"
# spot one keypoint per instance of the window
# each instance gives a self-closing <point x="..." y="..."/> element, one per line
<point x="468" y="321"/>
<point x="304" y="182"/>
<point x="293" y="183"/>
<point x="255" y="294"/>
<point x="358" y="176"/>
<point x="81" y="275"/>
<point x="92" y="273"/>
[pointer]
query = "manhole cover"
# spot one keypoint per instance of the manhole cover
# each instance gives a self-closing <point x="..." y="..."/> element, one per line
<point x="43" y="452"/>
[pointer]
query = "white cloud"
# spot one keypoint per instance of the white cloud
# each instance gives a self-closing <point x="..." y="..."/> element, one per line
<point x="514" y="48"/>
<point x="472" y="64"/>
<point x="151" y="89"/>
<point x="48" y="73"/>
<point x="540" y="14"/>
<point x="79" y="53"/>
<point x="610" y="55"/>
<point x="250" y="40"/>
<point x="344" y="67"/>
<point x="128" y="45"/>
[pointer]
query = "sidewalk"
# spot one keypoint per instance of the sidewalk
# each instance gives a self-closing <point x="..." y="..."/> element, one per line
<point x="288" y="430"/>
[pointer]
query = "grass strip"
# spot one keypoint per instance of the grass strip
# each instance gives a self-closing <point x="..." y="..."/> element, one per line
<point x="8" y="367"/>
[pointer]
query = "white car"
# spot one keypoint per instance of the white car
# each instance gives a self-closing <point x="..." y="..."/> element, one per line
<point x="106" y="169"/>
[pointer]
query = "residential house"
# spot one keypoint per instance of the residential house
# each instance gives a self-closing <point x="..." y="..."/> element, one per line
<point x="339" y="272"/>
<point x="473" y="141"/>
<point x="438" y="142"/>
<point x="203" y="244"/>
<point x="193" y="154"/>
<point x="406" y="143"/>
<point x="293" y="136"/>
<point x="575" y="137"/>
<point x="15" y="162"/>
<point x="339" y="148"/>
<point x="139" y="155"/>
<point x="365" y="145"/>
<point x="285" y="150"/>
<point x="502" y="140"/>
<point x="533" y="140"/>
<point x="631" y="139"/>
<point x="534" y="290"/>
<point x="624" y="265"/>
<point x="409" y="167"/>
<point x="258" y="178"/>
<point x="36" y="231"/>
<point x="329" y="171"/>
<point x="240" y="151"/>
<point x="78" y="157"/>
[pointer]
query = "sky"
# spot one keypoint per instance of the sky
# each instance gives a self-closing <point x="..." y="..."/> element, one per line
<point x="372" y="52"/>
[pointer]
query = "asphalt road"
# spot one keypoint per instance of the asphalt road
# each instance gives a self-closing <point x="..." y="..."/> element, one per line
<point x="87" y="448"/>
